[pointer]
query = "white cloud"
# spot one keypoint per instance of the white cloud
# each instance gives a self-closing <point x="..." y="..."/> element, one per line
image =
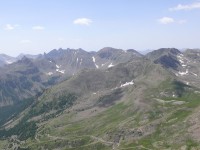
<point x="38" y="28"/>
<point x="166" y="20"/>
<point x="195" y="5"/>
<point x="83" y="21"/>
<point x="25" y="41"/>
<point x="10" y="27"/>
<point x="182" y="21"/>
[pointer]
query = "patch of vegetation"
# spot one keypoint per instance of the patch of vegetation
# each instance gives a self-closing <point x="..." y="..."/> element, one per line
<point x="9" y="112"/>
<point x="179" y="88"/>
<point x="67" y="144"/>
<point x="172" y="126"/>
<point x="191" y="144"/>
<point x="155" y="113"/>
<point x="94" y="146"/>
<point x="23" y="129"/>
<point x="26" y="129"/>
<point x="62" y="102"/>
<point x="52" y="81"/>
<point x="179" y="115"/>
<point x="3" y="144"/>
<point x="77" y="134"/>
<point x="108" y="100"/>
<point x="105" y="122"/>
<point x="168" y="88"/>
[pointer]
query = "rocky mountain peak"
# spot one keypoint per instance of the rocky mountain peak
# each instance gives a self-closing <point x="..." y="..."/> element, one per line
<point x="25" y="60"/>
<point x="166" y="57"/>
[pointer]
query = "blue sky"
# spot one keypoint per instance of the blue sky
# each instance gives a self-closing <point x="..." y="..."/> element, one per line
<point x="37" y="26"/>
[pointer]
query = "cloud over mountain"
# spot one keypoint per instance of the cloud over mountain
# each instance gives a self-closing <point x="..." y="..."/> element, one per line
<point x="83" y="21"/>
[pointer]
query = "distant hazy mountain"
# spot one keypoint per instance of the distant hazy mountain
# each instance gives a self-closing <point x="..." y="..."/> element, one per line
<point x="20" y="56"/>
<point x="5" y="59"/>
<point x="18" y="81"/>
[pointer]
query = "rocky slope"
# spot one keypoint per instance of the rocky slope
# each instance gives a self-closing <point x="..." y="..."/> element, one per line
<point x="185" y="65"/>
<point x="130" y="102"/>
<point x="26" y="77"/>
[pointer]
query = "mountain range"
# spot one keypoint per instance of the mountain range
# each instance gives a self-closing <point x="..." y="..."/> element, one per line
<point x="109" y="99"/>
<point x="29" y="75"/>
<point x="6" y="60"/>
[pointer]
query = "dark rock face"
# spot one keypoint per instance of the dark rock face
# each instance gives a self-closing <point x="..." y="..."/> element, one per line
<point x="168" y="62"/>
<point x="167" y="57"/>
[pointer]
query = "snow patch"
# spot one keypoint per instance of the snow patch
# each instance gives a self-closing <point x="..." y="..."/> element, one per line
<point x="173" y="95"/>
<point x="96" y="66"/>
<point x="194" y="74"/>
<point x="127" y="83"/>
<point x="57" y="66"/>
<point x="187" y="83"/>
<point x="94" y="60"/>
<point x="181" y="55"/>
<point x="183" y="65"/>
<point x="183" y="73"/>
<point x="60" y="71"/>
<point x="111" y="65"/>
<point x="9" y="62"/>
<point x="182" y="60"/>
<point x="49" y="73"/>
<point x="177" y="74"/>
